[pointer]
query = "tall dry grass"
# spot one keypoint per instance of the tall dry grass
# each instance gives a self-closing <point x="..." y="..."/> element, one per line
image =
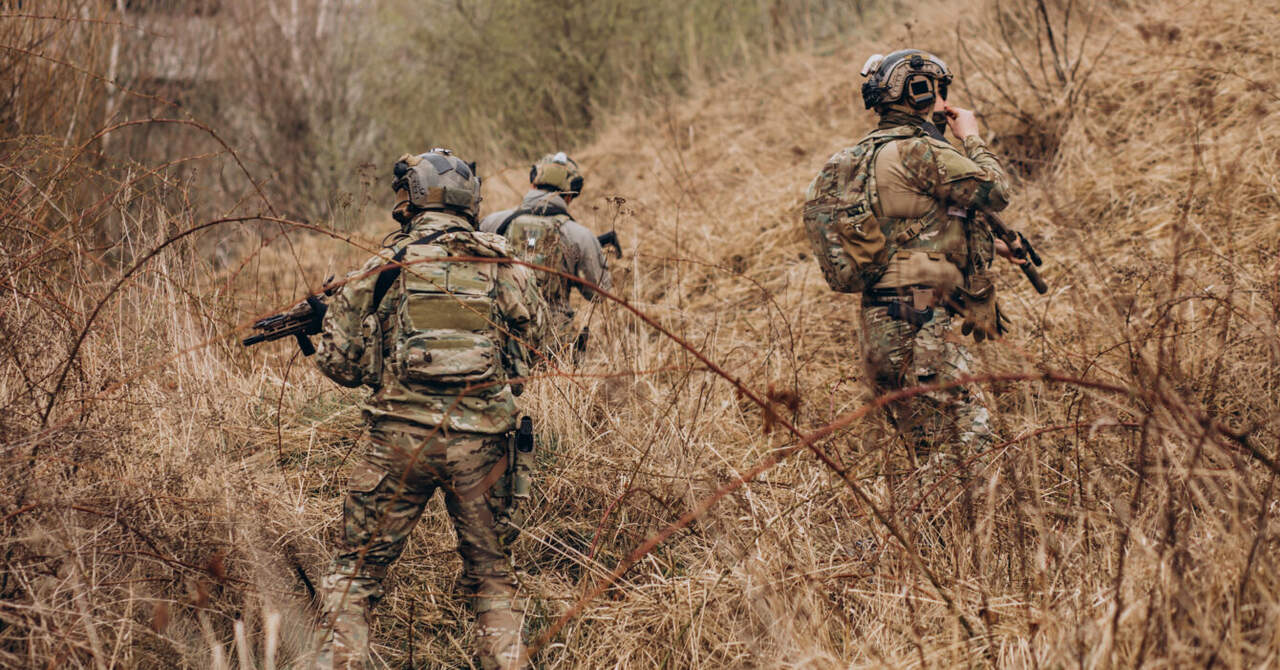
<point x="168" y="497"/>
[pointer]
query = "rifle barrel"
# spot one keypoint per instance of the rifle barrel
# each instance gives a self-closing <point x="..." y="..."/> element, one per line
<point x="1033" y="276"/>
<point x="1030" y="259"/>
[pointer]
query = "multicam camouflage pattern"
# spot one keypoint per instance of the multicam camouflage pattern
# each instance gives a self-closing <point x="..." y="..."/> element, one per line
<point x="946" y="186"/>
<point x="855" y="231"/>
<point x="359" y="341"/>
<point x="428" y="433"/>
<point x="926" y="189"/>
<point x="839" y="216"/>
<point x="403" y="466"/>
<point x="898" y="355"/>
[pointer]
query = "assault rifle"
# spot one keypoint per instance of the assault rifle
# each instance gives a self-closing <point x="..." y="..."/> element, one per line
<point x="301" y="321"/>
<point x="1021" y="248"/>
<point x="610" y="239"/>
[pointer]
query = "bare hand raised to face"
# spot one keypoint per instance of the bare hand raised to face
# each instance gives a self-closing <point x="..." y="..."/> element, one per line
<point x="1002" y="249"/>
<point x="962" y="121"/>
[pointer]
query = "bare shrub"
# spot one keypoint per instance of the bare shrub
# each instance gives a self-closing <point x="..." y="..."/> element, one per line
<point x="1033" y="62"/>
<point x="166" y="494"/>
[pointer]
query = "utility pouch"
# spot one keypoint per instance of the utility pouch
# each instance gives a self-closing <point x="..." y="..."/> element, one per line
<point x="905" y="311"/>
<point x="922" y="298"/>
<point x="371" y="360"/>
<point x="445" y="320"/>
<point x="521" y="460"/>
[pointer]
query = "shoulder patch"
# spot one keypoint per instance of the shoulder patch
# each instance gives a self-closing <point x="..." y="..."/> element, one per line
<point x="953" y="165"/>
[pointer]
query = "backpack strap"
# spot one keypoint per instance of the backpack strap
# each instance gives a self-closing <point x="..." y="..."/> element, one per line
<point x="391" y="271"/>
<point x="545" y="209"/>
<point x="871" y="199"/>
<point x="506" y="223"/>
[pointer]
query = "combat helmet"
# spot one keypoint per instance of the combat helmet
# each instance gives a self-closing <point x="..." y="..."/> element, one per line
<point x="557" y="172"/>
<point x="437" y="180"/>
<point x="908" y="76"/>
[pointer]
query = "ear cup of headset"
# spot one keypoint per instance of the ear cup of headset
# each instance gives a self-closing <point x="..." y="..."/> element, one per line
<point x="919" y="92"/>
<point x="870" y="93"/>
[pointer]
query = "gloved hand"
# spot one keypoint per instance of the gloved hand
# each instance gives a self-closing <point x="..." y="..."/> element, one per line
<point x="982" y="315"/>
<point x="318" y="310"/>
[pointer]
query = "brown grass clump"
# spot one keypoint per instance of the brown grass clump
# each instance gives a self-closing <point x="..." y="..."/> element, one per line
<point x="168" y="497"/>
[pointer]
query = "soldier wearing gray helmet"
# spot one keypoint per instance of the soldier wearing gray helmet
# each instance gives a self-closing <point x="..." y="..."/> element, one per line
<point x="438" y="328"/>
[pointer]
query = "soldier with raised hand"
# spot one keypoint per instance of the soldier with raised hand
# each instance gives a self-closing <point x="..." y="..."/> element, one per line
<point x="542" y="231"/>
<point x="437" y="341"/>
<point x="897" y="218"/>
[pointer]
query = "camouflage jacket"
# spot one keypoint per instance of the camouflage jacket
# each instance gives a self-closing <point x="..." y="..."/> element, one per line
<point x="358" y="337"/>
<point x="926" y="191"/>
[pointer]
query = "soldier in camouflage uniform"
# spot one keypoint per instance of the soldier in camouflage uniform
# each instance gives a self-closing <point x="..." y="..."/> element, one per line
<point x="542" y="231"/>
<point x="906" y="214"/>
<point x="436" y="341"/>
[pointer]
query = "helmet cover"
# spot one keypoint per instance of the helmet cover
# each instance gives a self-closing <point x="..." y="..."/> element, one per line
<point x="909" y="76"/>
<point x="557" y="171"/>
<point x="438" y="180"/>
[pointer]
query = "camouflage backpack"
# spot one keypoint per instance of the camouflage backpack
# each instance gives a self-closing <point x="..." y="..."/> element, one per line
<point x="446" y="319"/>
<point x="536" y="238"/>
<point x="839" y="217"/>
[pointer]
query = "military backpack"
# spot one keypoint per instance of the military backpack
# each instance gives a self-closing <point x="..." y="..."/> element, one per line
<point x="844" y="232"/>
<point x="537" y="239"/>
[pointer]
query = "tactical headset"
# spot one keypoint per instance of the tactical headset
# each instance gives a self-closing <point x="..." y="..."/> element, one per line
<point x="909" y="76"/>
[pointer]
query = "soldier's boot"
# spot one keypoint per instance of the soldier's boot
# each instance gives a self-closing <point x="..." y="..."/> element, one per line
<point x="498" y="641"/>
<point x="344" y="623"/>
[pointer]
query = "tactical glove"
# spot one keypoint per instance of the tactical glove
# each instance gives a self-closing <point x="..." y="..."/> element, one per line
<point x="318" y="309"/>
<point x="982" y="316"/>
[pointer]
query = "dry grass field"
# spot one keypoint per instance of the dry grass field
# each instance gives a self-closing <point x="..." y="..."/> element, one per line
<point x="715" y="487"/>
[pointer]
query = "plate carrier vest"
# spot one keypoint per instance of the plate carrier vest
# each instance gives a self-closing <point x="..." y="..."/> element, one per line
<point x="444" y="320"/>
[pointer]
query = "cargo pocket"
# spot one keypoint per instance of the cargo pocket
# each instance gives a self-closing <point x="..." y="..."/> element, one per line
<point x="365" y="477"/>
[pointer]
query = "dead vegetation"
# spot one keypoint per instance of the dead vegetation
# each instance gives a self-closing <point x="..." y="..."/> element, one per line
<point x="168" y="497"/>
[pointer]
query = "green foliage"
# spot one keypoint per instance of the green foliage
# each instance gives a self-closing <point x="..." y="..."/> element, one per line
<point x="496" y="78"/>
<point x="306" y="91"/>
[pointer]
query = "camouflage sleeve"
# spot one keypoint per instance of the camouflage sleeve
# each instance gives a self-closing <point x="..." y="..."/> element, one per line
<point x="525" y="313"/>
<point x="974" y="181"/>
<point x="344" y="353"/>
<point x="982" y="248"/>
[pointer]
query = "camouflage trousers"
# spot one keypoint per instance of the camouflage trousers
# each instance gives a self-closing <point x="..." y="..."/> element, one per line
<point x="389" y="489"/>
<point x="946" y="430"/>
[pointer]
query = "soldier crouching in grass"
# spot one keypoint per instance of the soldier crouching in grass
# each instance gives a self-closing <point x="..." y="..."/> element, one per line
<point x="897" y="218"/>
<point x="437" y="341"/>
